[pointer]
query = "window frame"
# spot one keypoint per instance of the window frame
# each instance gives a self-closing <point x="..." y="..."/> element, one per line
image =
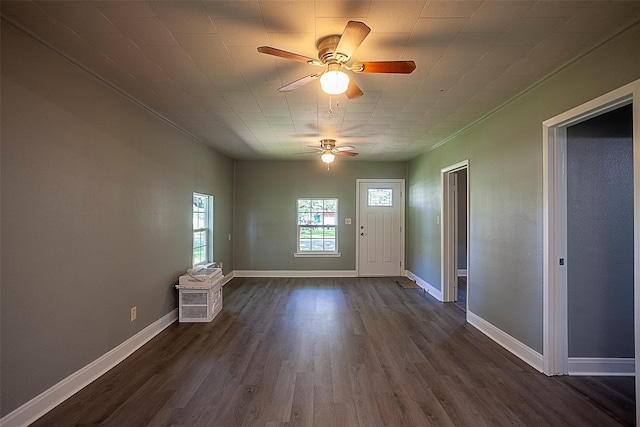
<point x="299" y="227"/>
<point x="207" y="230"/>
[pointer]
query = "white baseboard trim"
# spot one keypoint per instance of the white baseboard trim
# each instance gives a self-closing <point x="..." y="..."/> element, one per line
<point x="521" y="350"/>
<point x="226" y="279"/>
<point x="602" y="366"/>
<point x="294" y="273"/>
<point x="462" y="272"/>
<point x="436" y="293"/>
<point x="49" y="399"/>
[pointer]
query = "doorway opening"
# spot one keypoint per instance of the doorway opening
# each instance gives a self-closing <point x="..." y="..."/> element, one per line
<point x="599" y="261"/>
<point x="555" y="230"/>
<point x="455" y="234"/>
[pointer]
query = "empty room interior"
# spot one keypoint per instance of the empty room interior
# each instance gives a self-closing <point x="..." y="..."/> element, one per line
<point x="419" y="212"/>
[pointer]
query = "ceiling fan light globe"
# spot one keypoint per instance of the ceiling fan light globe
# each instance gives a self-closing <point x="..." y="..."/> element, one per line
<point x="334" y="81"/>
<point x="328" y="157"/>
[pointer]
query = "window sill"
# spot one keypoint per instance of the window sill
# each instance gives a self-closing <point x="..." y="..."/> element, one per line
<point x="317" y="254"/>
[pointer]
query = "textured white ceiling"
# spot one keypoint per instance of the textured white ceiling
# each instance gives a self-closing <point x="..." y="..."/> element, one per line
<point x="195" y="63"/>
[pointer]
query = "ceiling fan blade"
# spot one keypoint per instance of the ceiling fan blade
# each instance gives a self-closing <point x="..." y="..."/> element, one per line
<point x="353" y="91"/>
<point x="297" y="83"/>
<point x="286" y="55"/>
<point x="347" y="153"/>
<point x="345" y="148"/>
<point x="353" y="35"/>
<point x="315" y="147"/>
<point x="400" y="67"/>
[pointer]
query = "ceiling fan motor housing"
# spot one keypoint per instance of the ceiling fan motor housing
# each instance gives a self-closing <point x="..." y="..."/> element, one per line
<point x="328" y="144"/>
<point x="327" y="50"/>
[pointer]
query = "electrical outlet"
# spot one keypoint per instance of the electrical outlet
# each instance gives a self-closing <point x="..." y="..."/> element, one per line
<point x="134" y="313"/>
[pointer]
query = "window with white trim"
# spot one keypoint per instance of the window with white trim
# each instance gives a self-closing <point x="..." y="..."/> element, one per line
<point x="317" y="221"/>
<point x="202" y="229"/>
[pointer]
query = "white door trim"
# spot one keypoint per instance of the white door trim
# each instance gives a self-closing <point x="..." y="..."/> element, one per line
<point x="555" y="349"/>
<point x="448" y="268"/>
<point x="402" y="217"/>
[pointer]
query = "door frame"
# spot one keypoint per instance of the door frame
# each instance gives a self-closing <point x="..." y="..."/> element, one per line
<point x="554" y="140"/>
<point x="448" y="234"/>
<point x="403" y="198"/>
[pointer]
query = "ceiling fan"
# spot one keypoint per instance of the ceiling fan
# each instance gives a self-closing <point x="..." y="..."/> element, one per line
<point x="333" y="54"/>
<point x="329" y="150"/>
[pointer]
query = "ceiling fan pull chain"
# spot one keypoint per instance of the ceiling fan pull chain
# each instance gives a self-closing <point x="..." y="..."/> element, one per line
<point x="330" y="109"/>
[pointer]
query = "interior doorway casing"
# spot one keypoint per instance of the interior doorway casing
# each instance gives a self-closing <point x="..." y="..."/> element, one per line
<point x="448" y="233"/>
<point x="554" y="133"/>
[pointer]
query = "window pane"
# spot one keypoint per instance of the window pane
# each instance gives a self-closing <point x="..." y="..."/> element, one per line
<point x="330" y="205"/>
<point x="317" y="205"/>
<point x="305" y="244"/>
<point x="304" y="219"/>
<point x="305" y="232"/>
<point x="199" y="239"/>
<point x="199" y="255"/>
<point x="199" y="203"/>
<point x="317" y="245"/>
<point x="330" y="245"/>
<point x="380" y="197"/>
<point x="330" y="218"/>
<point x="316" y="218"/>
<point x="330" y="232"/>
<point x="199" y="220"/>
<point x="317" y="232"/>
<point x="304" y="205"/>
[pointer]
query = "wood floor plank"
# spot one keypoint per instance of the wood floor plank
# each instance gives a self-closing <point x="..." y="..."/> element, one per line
<point x="323" y="375"/>
<point x="364" y="397"/>
<point x="303" y="397"/>
<point x="336" y="352"/>
<point x="433" y="410"/>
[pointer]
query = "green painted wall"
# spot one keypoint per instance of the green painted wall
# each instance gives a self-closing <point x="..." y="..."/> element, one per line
<point x="265" y="215"/>
<point x="505" y="187"/>
<point x="96" y="217"/>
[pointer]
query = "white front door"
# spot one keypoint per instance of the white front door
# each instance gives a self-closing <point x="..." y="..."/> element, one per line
<point x="380" y="227"/>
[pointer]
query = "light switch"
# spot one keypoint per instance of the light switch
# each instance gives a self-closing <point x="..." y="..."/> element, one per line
<point x="347" y="221"/>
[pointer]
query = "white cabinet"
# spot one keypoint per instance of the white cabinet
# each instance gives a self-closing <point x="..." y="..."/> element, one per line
<point x="200" y="295"/>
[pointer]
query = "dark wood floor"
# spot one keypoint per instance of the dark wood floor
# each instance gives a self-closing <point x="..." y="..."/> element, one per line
<point x="336" y="352"/>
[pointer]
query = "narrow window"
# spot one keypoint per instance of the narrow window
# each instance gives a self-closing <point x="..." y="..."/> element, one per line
<point x="202" y="229"/>
<point x="317" y="226"/>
